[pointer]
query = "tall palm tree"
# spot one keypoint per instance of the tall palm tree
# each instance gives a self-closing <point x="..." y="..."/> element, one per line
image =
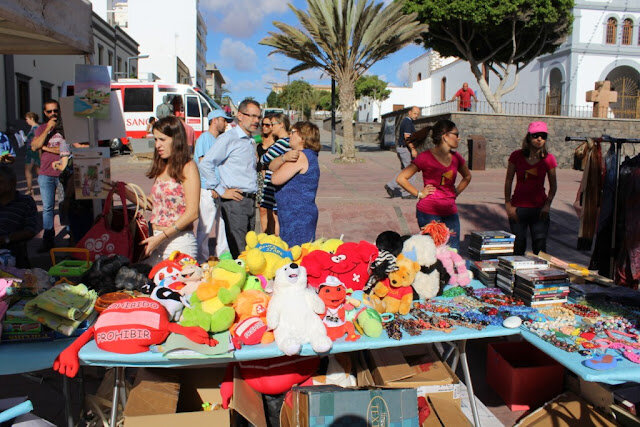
<point x="344" y="38"/>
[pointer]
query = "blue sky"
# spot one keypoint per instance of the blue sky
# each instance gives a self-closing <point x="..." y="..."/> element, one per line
<point x="234" y="30"/>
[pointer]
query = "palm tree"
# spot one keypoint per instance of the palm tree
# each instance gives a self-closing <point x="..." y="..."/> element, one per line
<point x="344" y="38"/>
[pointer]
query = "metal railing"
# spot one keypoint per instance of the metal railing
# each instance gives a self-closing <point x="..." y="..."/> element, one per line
<point x="517" y="108"/>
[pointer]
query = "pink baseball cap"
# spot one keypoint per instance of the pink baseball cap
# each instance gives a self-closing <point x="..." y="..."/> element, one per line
<point x="535" y="127"/>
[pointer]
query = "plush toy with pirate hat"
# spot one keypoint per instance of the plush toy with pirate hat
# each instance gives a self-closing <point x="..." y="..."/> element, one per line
<point x="334" y="294"/>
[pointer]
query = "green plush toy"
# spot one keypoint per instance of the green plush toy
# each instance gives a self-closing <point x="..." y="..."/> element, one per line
<point x="235" y="274"/>
<point x="366" y="320"/>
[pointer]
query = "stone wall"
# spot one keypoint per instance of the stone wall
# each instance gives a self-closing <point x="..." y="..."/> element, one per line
<point x="504" y="133"/>
<point x="362" y="131"/>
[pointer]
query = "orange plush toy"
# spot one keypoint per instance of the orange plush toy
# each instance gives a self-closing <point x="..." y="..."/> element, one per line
<point x="334" y="294"/>
<point x="251" y="314"/>
<point x="395" y="294"/>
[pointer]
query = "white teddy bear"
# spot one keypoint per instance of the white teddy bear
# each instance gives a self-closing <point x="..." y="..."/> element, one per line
<point x="293" y="312"/>
<point x="421" y="249"/>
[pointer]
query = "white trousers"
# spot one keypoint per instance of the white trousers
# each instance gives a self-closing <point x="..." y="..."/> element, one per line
<point x="210" y="219"/>
<point x="183" y="241"/>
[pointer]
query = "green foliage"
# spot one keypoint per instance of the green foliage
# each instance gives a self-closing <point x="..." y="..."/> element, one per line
<point x="296" y="95"/>
<point x="372" y="87"/>
<point x="484" y="30"/>
<point x="344" y="38"/>
<point x="273" y="100"/>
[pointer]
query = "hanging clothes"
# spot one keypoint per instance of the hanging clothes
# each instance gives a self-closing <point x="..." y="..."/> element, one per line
<point x="600" y="258"/>
<point x="591" y="195"/>
<point x="627" y="266"/>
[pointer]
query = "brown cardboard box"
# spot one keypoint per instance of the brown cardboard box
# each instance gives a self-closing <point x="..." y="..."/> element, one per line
<point x="196" y="386"/>
<point x="416" y="367"/>
<point x="155" y="391"/>
<point x="444" y="413"/>
<point x="598" y="394"/>
<point x="566" y="410"/>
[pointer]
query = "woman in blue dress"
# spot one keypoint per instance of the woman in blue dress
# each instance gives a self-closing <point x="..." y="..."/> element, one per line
<point x="296" y="176"/>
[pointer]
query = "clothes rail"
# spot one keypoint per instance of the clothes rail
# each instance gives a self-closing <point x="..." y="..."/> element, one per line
<point x="617" y="143"/>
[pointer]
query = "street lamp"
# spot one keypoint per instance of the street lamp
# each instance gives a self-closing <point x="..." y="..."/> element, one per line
<point x="129" y="62"/>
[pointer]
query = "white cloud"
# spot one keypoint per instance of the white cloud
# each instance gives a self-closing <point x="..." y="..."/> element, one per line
<point x="238" y="55"/>
<point x="254" y="85"/>
<point x="239" y="18"/>
<point x="403" y="74"/>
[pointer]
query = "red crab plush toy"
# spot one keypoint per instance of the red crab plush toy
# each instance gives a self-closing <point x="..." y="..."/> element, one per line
<point x="350" y="265"/>
<point x="128" y="326"/>
<point x="334" y="294"/>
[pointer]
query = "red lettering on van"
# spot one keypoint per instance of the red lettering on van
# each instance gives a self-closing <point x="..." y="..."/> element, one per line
<point x="136" y="122"/>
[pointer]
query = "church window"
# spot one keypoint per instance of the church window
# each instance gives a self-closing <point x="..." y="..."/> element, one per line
<point x="627" y="31"/>
<point x="419" y="76"/>
<point x="612" y="29"/>
<point x="443" y="89"/>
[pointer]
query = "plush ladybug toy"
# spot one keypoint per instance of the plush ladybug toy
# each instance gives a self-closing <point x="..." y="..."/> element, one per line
<point x="126" y="327"/>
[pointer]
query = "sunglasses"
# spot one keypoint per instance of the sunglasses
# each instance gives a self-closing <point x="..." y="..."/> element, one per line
<point x="267" y="125"/>
<point x="52" y="111"/>
<point x="542" y="135"/>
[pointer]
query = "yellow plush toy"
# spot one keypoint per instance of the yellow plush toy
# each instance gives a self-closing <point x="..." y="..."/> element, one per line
<point x="266" y="253"/>
<point x="395" y="294"/>
<point x="322" y="244"/>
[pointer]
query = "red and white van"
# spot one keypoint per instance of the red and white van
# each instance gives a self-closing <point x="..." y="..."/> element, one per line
<point x="141" y="98"/>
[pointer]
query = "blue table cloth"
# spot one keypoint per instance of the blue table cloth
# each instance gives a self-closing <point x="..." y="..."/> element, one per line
<point x="30" y="357"/>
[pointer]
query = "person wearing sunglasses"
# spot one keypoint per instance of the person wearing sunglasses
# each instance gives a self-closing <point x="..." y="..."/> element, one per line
<point x="529" y="205"/>
<point x="49" y="138"/>
<point x="440" y="166"/>
<point x="268" y="217"/>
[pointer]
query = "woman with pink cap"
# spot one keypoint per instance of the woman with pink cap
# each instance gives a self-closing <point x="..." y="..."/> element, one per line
<point x="528" y="207"/>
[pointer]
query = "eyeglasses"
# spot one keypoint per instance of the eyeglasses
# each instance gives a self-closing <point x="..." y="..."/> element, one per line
<point x="542" y="135"/>
<point x="253" y="116"/>
<point x="52" y="111"/>
<point x="267" y="125"/>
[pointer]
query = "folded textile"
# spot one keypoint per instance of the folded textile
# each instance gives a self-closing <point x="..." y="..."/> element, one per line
<point x="63" y="307"/>
<point x="180" y="347"/>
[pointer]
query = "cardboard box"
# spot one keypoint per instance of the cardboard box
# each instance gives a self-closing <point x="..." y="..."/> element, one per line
<point x="416" y="367"/>
<point x="196" y="386"/>
<point x="567" y="410"/>
<point x="598" y="394"/>
<point x="335" y="406"/>
<point x="522" y="375"/>
<point x="444" y="413"/>
<point x="155" y="391"/>
<point x="624" y="417"/>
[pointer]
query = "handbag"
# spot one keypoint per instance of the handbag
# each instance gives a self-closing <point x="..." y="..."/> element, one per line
<point x="103" y="238"/>
<point x="137" y="222"/>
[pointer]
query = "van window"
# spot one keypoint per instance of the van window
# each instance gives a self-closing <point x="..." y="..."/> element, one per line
<point x="193" y="110"/>
<point x="138" y="99"/>
<point x="205" y="108"/>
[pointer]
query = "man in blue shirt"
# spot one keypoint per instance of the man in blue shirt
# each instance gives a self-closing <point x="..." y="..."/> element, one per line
<point x="404" y="154"/>
<point x="210" y="215"/>
<point x="233" y="158"/>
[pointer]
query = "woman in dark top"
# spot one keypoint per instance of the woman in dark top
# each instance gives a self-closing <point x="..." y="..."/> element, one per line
<point x="296" y="176"/>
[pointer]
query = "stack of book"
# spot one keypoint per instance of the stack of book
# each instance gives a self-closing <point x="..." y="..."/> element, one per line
<point x="509" y="265"/>
<point x="489" y="245"/>
<point x="485" y="271"/>
<point x="542" y="287"/>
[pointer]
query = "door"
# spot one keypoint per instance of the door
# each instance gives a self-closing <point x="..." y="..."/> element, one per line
<point x="194" y="113"/>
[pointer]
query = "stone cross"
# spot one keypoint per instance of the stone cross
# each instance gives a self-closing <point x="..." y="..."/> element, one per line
<point x="601" y="97"/>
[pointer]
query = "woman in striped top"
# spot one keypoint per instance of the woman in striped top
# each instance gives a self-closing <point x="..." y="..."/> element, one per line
<point x="280" y="131"/>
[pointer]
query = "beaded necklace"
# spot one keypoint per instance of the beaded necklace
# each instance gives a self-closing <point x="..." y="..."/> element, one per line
<point x="558" y="313"/>
<point x="582" y="310"/>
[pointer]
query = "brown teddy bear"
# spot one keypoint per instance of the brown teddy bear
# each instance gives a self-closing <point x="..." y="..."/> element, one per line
<point x="395" y="294"/>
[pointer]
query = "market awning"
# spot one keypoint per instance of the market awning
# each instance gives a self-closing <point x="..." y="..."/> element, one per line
<point x="45" y="27"/>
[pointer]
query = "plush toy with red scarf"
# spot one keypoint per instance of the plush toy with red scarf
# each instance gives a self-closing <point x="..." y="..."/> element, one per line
<point x="128" y="326"/>
<point x="350" y="264"/>
<point x="334" y="294"/>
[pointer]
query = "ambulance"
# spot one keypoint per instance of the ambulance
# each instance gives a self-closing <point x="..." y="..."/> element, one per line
<point x="140" y="100"/>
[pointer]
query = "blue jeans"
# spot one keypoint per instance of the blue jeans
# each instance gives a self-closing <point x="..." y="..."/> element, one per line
<point x="529" y="220"/>
<point x="48" y="186"/>
<point x="451" y="221"/>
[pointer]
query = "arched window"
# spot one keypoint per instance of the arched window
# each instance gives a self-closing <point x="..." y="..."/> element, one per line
<point x="443" y="89"/>
<point x="612" y="30"/>
<point x="419" y="76"/>
<point x="627" y="31"/>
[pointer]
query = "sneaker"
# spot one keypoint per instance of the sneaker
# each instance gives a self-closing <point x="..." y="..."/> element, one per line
<point x="389" y="191"/>
<point x="409" y="196"/>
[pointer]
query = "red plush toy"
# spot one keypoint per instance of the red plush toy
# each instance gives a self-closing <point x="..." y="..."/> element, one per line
<point x="270" y="376"/>
<point x="334" y="294"/>
<point x="350" y="264"/>
<point x="126" y="327"/>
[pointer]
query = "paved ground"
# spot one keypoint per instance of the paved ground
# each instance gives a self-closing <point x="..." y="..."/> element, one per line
<point x="353" y="203"/>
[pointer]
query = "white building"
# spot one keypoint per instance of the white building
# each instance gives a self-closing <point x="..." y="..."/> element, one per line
<point x="604" y="45"/>
<point x="172" y="33"/>
<point x="29" y="80"/>
<point x="214" y="81"/>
